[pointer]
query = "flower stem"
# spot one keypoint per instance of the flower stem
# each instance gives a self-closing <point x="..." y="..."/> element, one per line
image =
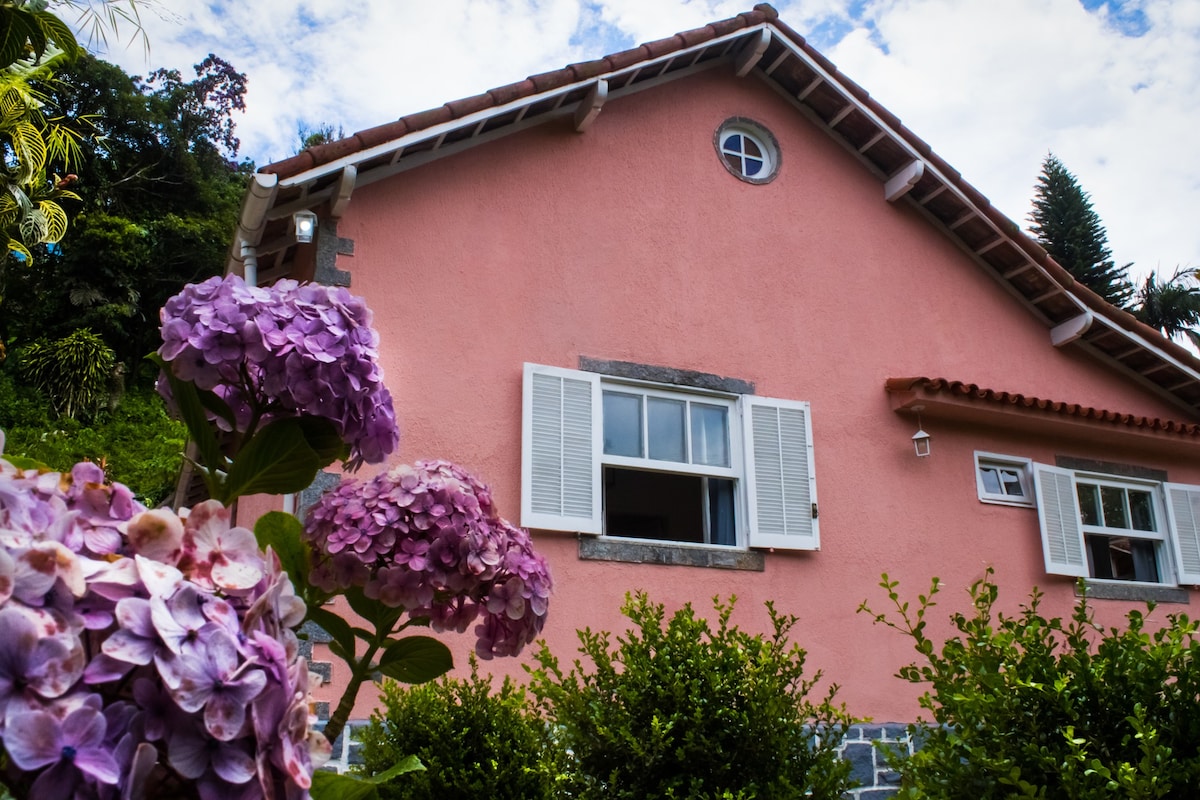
<point x="360" y="673"/>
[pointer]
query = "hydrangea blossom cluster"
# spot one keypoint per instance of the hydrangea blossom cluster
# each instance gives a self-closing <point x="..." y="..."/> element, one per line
<point x="144" y="654"/>
<point x="290" y="349"/>
<point x="427" y="538"/>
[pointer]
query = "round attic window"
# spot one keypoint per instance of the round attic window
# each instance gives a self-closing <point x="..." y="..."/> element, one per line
<point x="748" y="150"/>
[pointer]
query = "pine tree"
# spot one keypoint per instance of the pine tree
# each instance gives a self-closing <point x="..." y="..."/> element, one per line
<point x="1066" y="225"/>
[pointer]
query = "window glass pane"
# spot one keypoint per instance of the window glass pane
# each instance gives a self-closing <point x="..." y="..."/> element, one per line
<point x="991" y="480"/>
<point x="1089" y="503"/>
<point x="734" y="162"/>
<point x="1012" y="483"/>
<point x="710" y="435"/>
<point x="733" y="143"/>
<point x="622" y="424"/>
<point x="1113" y="501"/>
<point x="665" y="418"/>
<point x="1141" y="509"/>
<point x="752" y="148"/>
<point x="753" y="166"/>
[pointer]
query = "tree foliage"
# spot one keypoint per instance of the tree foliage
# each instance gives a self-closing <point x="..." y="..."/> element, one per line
<point x="1025" y="706"/>
<point x="1172" y="305"/>
<point x="681" y="709"/>
<point x="160" y="194"/>
<point x="75" y="373"/>
<point x="1065" y="223"/>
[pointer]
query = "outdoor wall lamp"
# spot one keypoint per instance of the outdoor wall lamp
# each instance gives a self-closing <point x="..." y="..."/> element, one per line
<point x="920" y="439"/>
<point x="305" y="223"/>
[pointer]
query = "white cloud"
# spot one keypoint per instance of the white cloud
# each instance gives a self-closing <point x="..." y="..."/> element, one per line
<point x="992" y="86"/>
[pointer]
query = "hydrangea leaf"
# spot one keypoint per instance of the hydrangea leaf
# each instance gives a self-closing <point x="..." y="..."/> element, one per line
<point x="277" y="460"/>
<point x="335" y="626"/>
<point x="332" y="786"/>
<point x="282" y="533"/>
<point x="416" y="659"/>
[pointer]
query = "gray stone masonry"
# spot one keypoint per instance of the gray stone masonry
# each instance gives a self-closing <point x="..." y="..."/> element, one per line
<point x="869" y="764"/>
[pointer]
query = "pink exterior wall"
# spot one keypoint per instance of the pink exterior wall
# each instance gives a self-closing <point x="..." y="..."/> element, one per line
<point x="631" y="242"/>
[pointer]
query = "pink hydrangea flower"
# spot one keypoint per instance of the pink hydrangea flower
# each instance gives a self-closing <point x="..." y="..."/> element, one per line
<point x="427" y="538"/>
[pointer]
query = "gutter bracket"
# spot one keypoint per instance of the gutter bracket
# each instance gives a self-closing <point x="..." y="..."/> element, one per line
<point x="1066" y="332"/>
<point x="589" y="107"/>
<point x="903" y="181"/>
<point x="749" y="56"/>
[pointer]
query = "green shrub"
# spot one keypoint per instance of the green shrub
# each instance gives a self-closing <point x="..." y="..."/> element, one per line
<point x="138" y="443"/>
<point x="1025" y="706"/>
<point x="690" y="712"/>
<point x="74" y="372"/>
<point x="473" y="742"/>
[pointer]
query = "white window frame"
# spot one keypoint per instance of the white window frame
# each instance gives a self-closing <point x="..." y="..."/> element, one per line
<point x="1002" y="462"/>
<point x="562" y="458"/>
<point x="1064" y="546"/>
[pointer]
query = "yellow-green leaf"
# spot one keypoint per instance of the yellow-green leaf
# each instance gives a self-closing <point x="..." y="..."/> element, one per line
<point x="56" y="220"/>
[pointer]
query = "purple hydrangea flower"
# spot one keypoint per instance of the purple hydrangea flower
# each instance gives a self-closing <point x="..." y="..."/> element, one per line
<point x="186" y="613"/>
<point x="427" y="538"/>
<point x="69" y="747"/>
<point x="288" y="350"/>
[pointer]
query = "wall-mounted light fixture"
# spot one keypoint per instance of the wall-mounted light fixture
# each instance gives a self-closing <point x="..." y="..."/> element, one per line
<point x="305" y="224"/>
<point x="920" y="439"/>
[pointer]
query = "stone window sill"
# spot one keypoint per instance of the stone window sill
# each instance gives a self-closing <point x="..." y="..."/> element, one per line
<point x="592" y="548"/>
<point x="1104" y="590"/>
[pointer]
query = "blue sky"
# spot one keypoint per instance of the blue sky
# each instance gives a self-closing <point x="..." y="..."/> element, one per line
<point x="1112" y="88"/>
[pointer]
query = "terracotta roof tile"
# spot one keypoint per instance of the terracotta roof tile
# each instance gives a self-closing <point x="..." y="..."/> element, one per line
<point x="370" y="137"/>
<point x="661" y="47"/>
<point x="697" y="36"/>
<point x="589" y="69"/>
<point x="627" y="58"/>
<point x="545" y="81"/>
<point x="512" y="91"/>
<point x="469" y="105"/>
<point x="428" y="118"/>
<point x="332" y="151"/>
<point x="290" y="166"/>
<point x="728" y="26"/>
<point x="976" y="393"/>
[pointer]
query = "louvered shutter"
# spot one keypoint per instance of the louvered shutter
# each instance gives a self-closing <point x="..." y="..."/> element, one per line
<point x="1058" y="514"/>
<point x="560" y="436"/>
<point x="1183" y="512"/>
<point x="781" y="491"/>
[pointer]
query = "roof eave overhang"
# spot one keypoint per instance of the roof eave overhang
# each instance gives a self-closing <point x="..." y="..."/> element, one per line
<point x="1053" y="421"/>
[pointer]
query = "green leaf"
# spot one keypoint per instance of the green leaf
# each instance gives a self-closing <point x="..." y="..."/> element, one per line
<point x="331" y="786"/>
<point x="373" y="611"/>
<point x="335" y="626"/>
<point x="323" y="437"/>
<point x="213" y="403"/>
<point x="58" y="32"/>
<point x="192" y="411"/>
<point x="416" y="659"/>
<point x="282" y="533"/>
<point x="404" y="766"/>
<point x="15" y="29"/>
<point x="277" y="460"/>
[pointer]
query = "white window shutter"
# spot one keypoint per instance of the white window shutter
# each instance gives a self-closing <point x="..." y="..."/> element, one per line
<point x="560" y="450"/>
<point x="1062" y="529"/>
<point x="1183" y="511"/>
<point x="781" y="491"/>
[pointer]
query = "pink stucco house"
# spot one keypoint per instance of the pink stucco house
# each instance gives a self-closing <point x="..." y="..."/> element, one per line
<point x="685" y="307"/>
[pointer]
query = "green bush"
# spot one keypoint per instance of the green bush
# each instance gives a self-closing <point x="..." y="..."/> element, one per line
<point x="1025" y="706"/>
<point x="75" y="372"/>
<point x="473" y="742"/>
<point x="138" y="443"/>
<point x="686" y="711"/>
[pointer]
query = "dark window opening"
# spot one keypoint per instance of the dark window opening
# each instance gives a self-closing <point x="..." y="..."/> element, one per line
<point x="1122" y="558"/>
<point x="668" y="507"/>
